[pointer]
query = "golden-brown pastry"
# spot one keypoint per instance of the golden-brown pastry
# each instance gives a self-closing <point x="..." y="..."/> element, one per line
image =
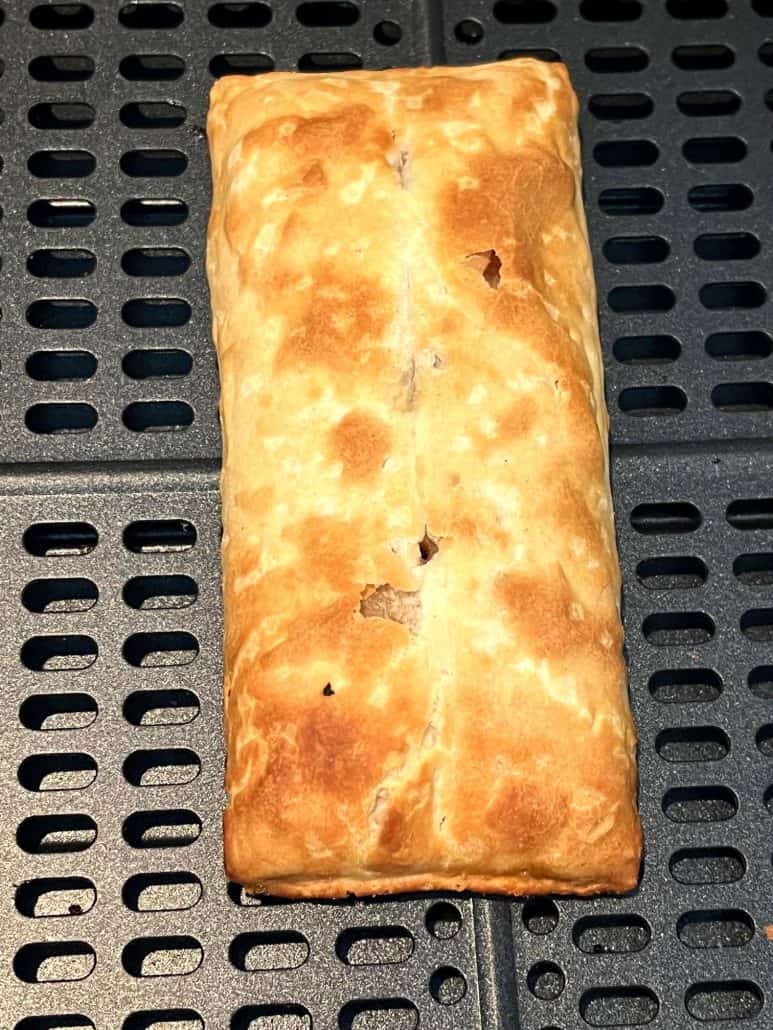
<point x="424" y="680"/>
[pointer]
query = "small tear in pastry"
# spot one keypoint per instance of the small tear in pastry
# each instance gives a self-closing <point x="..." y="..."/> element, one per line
<point x="437" y="361"/>
<point x="487" y="262"/>
<point x="428" y="548"/>
<point x="401" y="167"/>
<point x="408" y="385"/>
<point x="327" y="690"/>
<point x="385" y="602"/>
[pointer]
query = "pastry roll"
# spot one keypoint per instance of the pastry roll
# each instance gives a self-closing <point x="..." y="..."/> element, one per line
<point x="424" y="680"/>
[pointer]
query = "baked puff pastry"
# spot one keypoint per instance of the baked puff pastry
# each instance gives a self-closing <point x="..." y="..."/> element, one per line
<point x="424" y="681"/>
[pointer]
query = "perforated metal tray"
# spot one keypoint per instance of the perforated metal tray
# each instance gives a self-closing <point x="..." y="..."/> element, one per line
<point x="115" y="912"/>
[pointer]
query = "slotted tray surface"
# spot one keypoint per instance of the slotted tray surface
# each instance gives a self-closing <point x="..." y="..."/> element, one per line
<point x="116" y="912"/>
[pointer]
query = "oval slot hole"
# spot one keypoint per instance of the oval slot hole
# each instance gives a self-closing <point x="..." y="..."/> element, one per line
<point x="284" y="949"/>
<point x="685" y="686"/>
<point x="162" y="956"/>
<point x="52" y="712"/>
<point x="54" y="962"/>
<point x="155" y="650"/>
<point x="156" y="312"/>
<point x="751" y="345"/>
<point x="59" y="653"/>
<point x="707" y="865"/>
<point x="764" y="740"/>
<point x="699" y="804"/>
<point x="56" y="366"/>
<point x="620" y="106"/>
<point x="724" y="1000"/>
<point x="645" y="297"/>
<point x="162" y="892"/>
<point x="61" y="263"/>
<point x="646" y="350"/>
<point x="321" y="62"/>
<point x="636" y="250"/>
<point x="164" y="1019"/>
<point x="374" y="945"/>
<point x="667" y="517"/>
<point x="757" y="624"/>
<point x="754" y="570"/>
<point x="652" y="401"/>
<point x="155" y="261"/>
<point x="727" y="246"/>
<point x="751" y="514"/>
<point x="160" y="592"/>
<point x="56" y="539"/>
<point x="152" y="67"/>
<point x="162" y="767"/>
<point x="524" y="12"/>
<point x="150" y="16"/>
<point x="619" y="1006"/>
<point x="671" y="573"/>
<point x="610" y="10"/>
<point x="720" y="197"/>
<point x="630" y="153"/>
<point x="152" y="114"/>
<point x="708" y="103"/>
<point x="760" y="681"/>
<point x="611" y="935"/>
<point x="52" y="897"/>
<point x="161" y="707"/>
<point x="389" y="1013"/>
<point x="326" y="13"/>
<point x="157" y="364"/>
<point x="703" y="56"/>
<point x="631" y="200"/>
<point x="240" y="64"/>
<point x="690" y="9"/>
<point x="157" y="416"/>
<point x="539" y="54"/>
<point x="732" y="295"/>
<point x="693" y="744"/>
<point x="243" y="15"/>
<point x="61" y="214"/>
<point x="60" y="419"/>
<point x="743" y="397"/>
<point x="149" y="211"/>
<point x="281" y="1017"/>
<point x="159" y="536"/>
<point x="150" y="163"/>
<point x="61" y="68"/>
<point x="61" y="116"/>
<point x="173" y="828"/>
<point x="61" y="17"/>
<point x="68" y="771"/>
<point x="56" y="834"/>
<point x="670" y="629"/>
<point x="714" y="150"/>
<point x="60" y="596"/>
<point x="723" y="928"/>
<point x="616" y="60"/>
<point x="61" y="164"/>
<point x="61" y="314"/>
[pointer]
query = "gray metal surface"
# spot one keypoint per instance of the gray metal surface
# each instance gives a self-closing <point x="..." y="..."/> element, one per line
<point x="116" y="912"/>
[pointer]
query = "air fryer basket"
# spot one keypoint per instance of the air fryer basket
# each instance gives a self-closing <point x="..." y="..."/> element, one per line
<point x="115" y="912"/>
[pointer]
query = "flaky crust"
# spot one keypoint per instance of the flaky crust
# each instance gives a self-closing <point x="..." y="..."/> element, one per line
<point x="424" y="678"/>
